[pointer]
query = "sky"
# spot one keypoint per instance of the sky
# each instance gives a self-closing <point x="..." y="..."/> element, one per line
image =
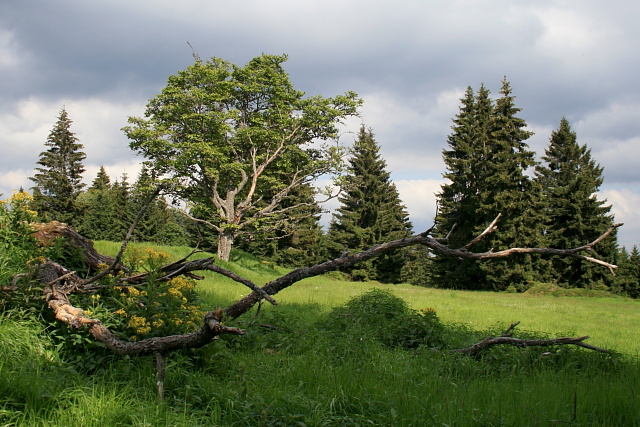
<point x="410" y="61"/>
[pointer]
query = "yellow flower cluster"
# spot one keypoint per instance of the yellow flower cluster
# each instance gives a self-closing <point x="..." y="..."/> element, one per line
<point x="20" y="200"/>
<point x="139" y="325"/>
<point x="156" y="308"/>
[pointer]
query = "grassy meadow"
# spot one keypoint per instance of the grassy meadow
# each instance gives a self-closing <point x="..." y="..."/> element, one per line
<point x="304" y="371"/>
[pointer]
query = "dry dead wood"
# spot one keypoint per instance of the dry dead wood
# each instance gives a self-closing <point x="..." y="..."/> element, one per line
<point x="59" y="283"/>
<point x="507" y="339"/>
<point x="424" y="239"/>
<point x="48" y="233"/>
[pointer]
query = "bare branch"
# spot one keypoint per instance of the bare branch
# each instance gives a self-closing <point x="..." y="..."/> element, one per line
<point x="239" y="279"/>
<point x="486" y="231"/>
<point x="490" y="342"/>
<point x="506" y="339"/>
<point x="199" y="220"/>
<point x="589" y="246"/>
<point x="507" y="332"/>
<point x="128" y="237"/>
<point x="61" y="281"/>
<point x="435" y="245"/>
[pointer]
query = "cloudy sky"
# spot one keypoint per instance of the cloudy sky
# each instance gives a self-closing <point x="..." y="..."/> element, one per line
<point x="409" y="60"/>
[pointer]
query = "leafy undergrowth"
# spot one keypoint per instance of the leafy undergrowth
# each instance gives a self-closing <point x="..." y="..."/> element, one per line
<point x="300" y="365"/>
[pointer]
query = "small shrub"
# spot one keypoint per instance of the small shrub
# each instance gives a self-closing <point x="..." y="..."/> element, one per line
<point x="131" y="312"/>
<point x="380" y="315"/>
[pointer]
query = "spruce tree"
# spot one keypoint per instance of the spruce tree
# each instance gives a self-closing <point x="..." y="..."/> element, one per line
<point x="570" y="180"/>
<point x="99" y="209"/>
<point x="486" y="165"/>
<point x="633" y="289"/>
<point x="459" y="199"/>
<point x="102" y="180"/>
<point x="58" y="179"/>
<point x="510" y="191"/>
<point x="371" y="212"/>
<point x="160" y="223"/>
<point x="125" y="213"/>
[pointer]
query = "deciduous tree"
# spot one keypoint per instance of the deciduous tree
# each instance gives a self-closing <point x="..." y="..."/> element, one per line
<point x="238" y="140"/>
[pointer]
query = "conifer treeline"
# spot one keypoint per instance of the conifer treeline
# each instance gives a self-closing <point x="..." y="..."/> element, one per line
<point x="489" y="169"/>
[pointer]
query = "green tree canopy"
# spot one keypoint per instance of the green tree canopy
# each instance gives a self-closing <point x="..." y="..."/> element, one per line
<point x="237" y="140"/>
<point x="102" y="180"/>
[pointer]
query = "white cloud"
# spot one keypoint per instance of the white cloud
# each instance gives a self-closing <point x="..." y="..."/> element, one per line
<point x="613" y="134"/>
<point x="96" y="123"/>
<point x="411" y="133"/>
<point x="418" y="195"/>
<point x="625" y="205"/>
<point x="12" y="181"/>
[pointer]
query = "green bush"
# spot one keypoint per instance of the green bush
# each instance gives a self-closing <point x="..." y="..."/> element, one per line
<point x="18" y="253"/>
<point x="380" y="315"/>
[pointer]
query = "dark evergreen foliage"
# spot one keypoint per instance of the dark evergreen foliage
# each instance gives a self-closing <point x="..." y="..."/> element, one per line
<point x="627" y="280"/>
<point x="417" y="266"/>
<point x="99" y="209"/>
<point x="102" y="180"/>
<point x="371" y="212"/>
<point x="110" y="209"/>
<point x="570" y="179"/>
<point x="58" y="179"/>
<point x="486" y="165"/>
<point x="297" y="239"/>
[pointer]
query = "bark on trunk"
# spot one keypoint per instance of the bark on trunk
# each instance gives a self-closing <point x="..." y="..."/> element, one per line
<point x="225" y="242"/>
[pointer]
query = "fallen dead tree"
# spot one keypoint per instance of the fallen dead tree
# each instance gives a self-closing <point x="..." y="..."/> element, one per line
<point x="58" y="283"/>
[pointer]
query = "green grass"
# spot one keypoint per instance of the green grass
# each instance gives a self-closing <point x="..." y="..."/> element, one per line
<point x="307" y="374"/>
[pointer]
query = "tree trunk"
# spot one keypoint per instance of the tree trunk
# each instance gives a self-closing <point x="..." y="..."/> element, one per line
<point x="225" y="241"/>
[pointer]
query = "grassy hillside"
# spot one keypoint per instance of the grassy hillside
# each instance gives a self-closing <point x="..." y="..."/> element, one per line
<point x="611" y="322"/>
<point x="310" y="371"/>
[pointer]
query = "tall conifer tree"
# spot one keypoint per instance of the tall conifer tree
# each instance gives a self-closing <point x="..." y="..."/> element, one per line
<point x="125" y="213"/>
<point x="510" y="191"/>
<point x="58" y="179"/>
<point x="486" y="164"/>
<point x="371" y="212"/>
<point x="101" y="181"/>
<point x="459" y="199"/>
<point x="627" y="280"/>
<point x="570" y="180"/>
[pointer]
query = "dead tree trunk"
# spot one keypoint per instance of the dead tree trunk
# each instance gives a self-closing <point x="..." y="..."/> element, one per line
<point x="58" y="283"/>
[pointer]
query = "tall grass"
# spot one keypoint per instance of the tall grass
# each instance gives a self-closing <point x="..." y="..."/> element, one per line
<point x="301" y="372"/>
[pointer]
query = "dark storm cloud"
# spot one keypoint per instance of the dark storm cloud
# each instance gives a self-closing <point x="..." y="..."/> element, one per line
<point x="79" y="49"/>
<point x="409" y="60"/>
